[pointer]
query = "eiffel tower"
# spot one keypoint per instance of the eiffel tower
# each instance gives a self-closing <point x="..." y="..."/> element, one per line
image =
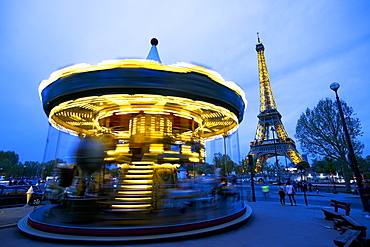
<point x="271" y="137"/>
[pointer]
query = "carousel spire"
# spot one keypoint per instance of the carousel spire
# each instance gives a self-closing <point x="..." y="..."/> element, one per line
<point x="153" y="53"/>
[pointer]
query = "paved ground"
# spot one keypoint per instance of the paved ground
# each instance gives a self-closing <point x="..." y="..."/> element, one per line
<point x="10" y="216"/>
<point x="270" y="225"/>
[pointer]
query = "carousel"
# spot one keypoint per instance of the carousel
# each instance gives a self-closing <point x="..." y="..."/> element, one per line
<point x="149" y="121"/>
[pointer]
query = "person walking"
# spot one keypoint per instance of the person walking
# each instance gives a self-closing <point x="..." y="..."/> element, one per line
<point x="290" y="191"/>
<point x="281" y="194"/>
<point x="265" y="190"/>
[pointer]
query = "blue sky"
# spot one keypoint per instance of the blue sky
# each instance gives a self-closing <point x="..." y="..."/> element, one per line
<point x="309" y="44"/>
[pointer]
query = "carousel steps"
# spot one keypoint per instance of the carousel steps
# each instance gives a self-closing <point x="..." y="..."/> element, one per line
<point x="134" y="189"/>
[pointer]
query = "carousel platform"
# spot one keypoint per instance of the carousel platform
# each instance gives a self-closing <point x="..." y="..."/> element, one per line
<point x="58" y="223"/>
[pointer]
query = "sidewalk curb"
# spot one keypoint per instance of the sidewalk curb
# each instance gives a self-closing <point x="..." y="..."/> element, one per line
<point x="8" y="226"/>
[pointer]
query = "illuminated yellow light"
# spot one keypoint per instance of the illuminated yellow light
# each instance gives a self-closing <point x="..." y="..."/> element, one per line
<point x="133" y="199"/>
<point x="185" y="149"/>
<point x="171" y="152"/>
<point x="181" y="107"/>
<point x="125" y="165"/>
<point x="140" y="171"/>
<point x="195" y="160"/>
<point x="134" y="192"/>
<point x="111" y="152"/>
<point x="166" y="165"/>
<point x="138" y="181"/>
<point x="169" y="158"/>
<point x="138" y="176"/>
<point x="156" y="148"/>
<point x="130" y="209"/>
<point x="136" y="186"/>
<point x="144" y="168"/>
<point x="122" y="148"/>
<point x="142" y="163"/>
<point x="154" y="135"/>
<point x="131" y="206"/>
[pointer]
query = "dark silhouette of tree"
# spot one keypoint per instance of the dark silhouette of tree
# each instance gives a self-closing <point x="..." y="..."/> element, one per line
<point x="320" y="133"/>
<point x="224" y="162"/>
<point x="33" y="169"/>
<point x="48" y="167"/>
<point x="12" y="168"/>
<point x="326" y="165"/>
<point x="9" y="162"/>
<point x="364" y="166"/>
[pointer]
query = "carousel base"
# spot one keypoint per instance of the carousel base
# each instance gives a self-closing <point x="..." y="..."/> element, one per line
<point x="48" y="223"/>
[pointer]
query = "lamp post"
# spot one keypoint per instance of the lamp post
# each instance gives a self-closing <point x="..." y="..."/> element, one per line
<point x="225" y="135"/>
<point x="333" y="181"/>
<point x="302" y="170"/>
<point x="335" y="86"/>
<point x="276" y="159"/>
<point x="250" y="164"/>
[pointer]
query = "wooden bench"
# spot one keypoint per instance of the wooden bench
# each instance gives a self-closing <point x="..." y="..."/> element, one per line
<point x="343" y="205"/>
<point x="331" y="215"/>
<point x="348" y="238"/>
<point x="348" y="223"/>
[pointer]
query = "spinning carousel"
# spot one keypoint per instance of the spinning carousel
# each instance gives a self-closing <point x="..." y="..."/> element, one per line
<point x="147" y="119"/>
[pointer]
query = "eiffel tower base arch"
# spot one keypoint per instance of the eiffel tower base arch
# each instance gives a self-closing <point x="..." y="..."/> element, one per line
<point x="263" y="152"/>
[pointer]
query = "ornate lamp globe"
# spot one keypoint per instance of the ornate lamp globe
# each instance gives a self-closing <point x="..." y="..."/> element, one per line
<point x="334" y="86"/>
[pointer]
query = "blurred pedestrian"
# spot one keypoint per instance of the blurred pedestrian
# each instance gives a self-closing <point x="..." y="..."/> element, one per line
<point x="281" y="194"/>
<point x="290" y="191"/>
<point x="265" y="190"/>
<point x="304" y="186"/>
<point x="310" y="187"/>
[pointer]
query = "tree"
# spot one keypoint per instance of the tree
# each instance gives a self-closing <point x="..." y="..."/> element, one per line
<point x="364" y="166"/>
<point x="257" y="167"/>
<point x="238" y="169"/>
<point x="33" y="169"/>
<point x="326" y="165"/>
<point x="47" y="168"/>
<point x="9" y="162"/>
<point x="224" y="162"/>
<point x="200" y="168"/>
<point x="304" y="165"/>
<point x="244" y="165"/>
<point x="320" y="132"/>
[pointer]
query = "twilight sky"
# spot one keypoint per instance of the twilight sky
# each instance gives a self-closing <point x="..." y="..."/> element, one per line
<point x="308" y="45"/>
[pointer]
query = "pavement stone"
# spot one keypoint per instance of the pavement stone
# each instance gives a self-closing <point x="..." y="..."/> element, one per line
<point x="270" y="225"/>
<point x="9" y="217"/>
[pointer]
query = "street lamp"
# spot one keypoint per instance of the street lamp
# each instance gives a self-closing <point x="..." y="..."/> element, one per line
<point x="24" y="173"/>
<point x="250" y="164"/>
<point x="302" y="170"/>
<point x="333" y="181"/>
<point x="276" y="158"/>
<point x="225" y="135"/>
<point x="335" y="86"/>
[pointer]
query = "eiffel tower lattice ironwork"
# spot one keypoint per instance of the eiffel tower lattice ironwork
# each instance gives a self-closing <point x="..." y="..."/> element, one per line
<point x="271" y="137"/>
